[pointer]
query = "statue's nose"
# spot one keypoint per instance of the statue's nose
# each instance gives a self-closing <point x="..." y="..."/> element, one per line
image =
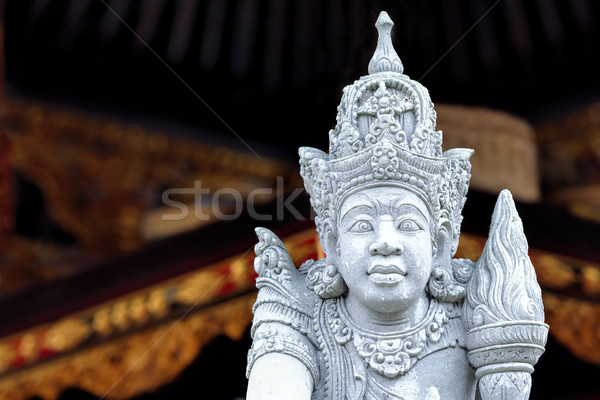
<point x="385" y="248"/>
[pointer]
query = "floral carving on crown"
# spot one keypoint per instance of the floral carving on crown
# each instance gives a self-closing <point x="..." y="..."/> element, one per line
<point x="384" y="162"/>
<point x="383" y="106"/>
<point x="385" y="134"/>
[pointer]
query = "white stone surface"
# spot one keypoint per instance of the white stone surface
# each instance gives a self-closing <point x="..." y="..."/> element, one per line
<point x="389" y="314"/>
<point x="278" y="376"/>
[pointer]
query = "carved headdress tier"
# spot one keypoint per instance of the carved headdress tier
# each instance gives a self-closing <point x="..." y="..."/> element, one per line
<point x="385" y="134"/>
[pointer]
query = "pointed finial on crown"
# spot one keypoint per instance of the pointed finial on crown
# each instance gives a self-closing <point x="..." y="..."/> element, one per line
<point x="385" y="58"/>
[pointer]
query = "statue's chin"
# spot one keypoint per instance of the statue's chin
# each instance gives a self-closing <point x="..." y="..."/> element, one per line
<point x="386" y="298"/>
<point x="390" y="307"/>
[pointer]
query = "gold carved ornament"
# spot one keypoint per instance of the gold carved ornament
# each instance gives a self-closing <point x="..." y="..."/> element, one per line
<point x="101" y="178"/>
<point x="141" y="341"/>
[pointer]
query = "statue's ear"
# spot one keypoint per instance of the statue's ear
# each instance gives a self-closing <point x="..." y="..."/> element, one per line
<point x="331" y="249"/>
<point x="443" y="246"/>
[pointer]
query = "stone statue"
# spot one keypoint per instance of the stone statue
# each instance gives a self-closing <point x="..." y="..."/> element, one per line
<point x="389" y="314"/>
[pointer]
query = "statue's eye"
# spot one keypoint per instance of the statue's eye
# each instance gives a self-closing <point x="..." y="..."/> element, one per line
<point x="361" y="226"/>
<point x="409" y="225"/>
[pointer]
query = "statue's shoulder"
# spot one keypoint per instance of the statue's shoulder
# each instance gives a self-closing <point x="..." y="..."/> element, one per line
<point x="284" y="306"/>
<point x="283" y="291"/>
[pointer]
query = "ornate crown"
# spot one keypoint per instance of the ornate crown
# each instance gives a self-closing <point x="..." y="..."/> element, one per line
<point x="385" y="135"/>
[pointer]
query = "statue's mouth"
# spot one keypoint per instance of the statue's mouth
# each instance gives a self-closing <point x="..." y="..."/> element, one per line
<point x="386" y="269"/>
<point x="386" y="274"/>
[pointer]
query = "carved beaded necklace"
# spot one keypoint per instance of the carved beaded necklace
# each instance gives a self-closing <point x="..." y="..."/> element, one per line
<point x="393" y="354"/>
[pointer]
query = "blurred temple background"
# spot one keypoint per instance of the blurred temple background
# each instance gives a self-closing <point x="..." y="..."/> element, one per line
<point x="142" y="141"/>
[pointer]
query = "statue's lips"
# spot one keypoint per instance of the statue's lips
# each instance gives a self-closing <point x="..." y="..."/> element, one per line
<point x="386" y="274"/>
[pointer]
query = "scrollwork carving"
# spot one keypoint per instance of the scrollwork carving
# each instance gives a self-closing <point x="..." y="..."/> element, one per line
<point x="443" y="287"/>
<point x="393" y="354"/>
<point x="325" y="280"/>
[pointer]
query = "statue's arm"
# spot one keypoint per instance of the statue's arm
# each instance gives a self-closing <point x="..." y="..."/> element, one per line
<point x="278" y="375"/>
<point x="282" y="362"/>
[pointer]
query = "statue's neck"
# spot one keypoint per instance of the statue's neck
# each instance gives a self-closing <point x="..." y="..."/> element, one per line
<point x="387" y="321"/>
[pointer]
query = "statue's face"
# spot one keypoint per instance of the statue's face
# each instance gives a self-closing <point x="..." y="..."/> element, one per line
<point x="384" y="248"/>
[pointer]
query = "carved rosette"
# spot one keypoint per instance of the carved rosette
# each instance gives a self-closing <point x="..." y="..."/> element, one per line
<point x="384" y="162"/>
<point x="503" y="311"/>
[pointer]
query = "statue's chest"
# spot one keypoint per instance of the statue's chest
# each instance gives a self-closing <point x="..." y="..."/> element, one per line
<point x="361" y="364"/>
